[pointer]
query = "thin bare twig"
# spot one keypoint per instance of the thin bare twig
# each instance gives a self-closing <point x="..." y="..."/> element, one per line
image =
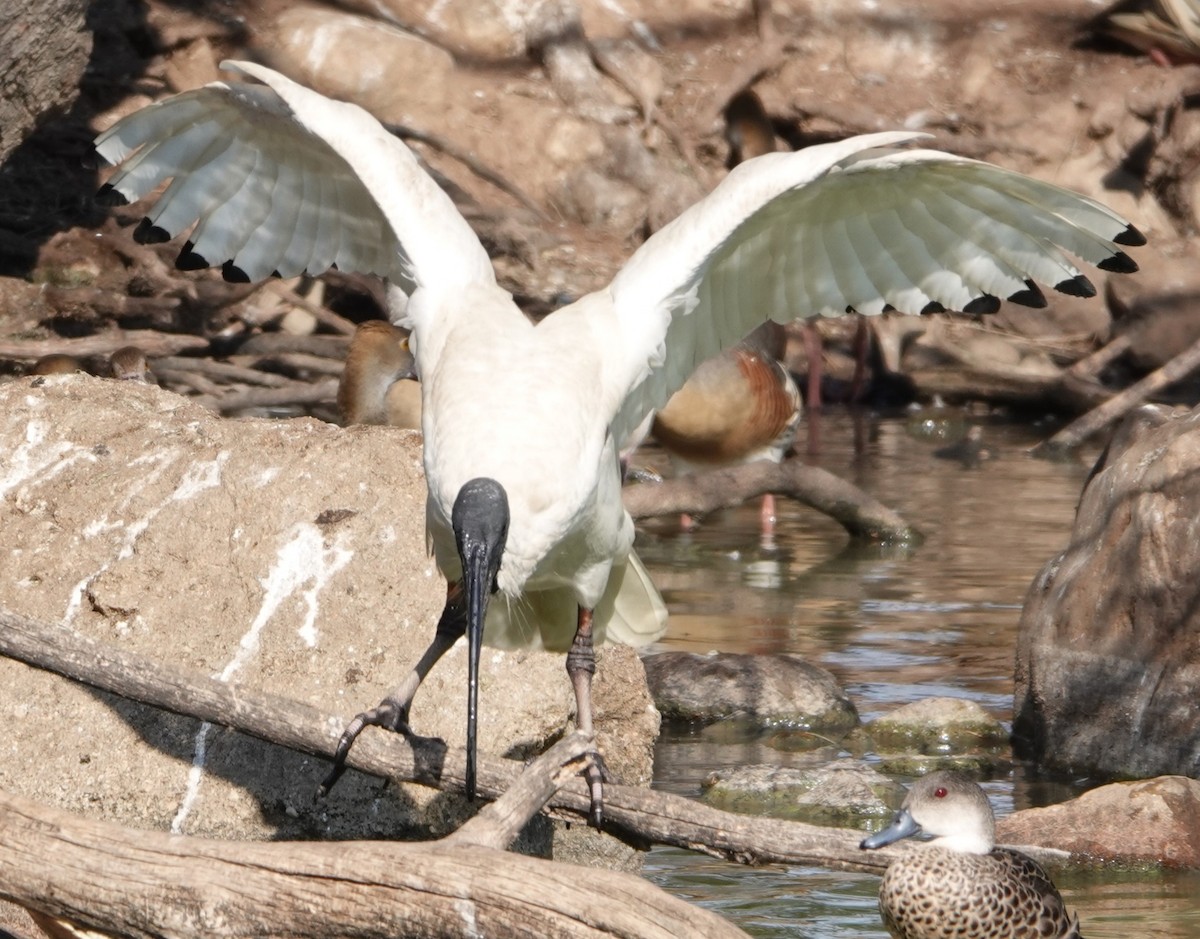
<point x="862" y="515"/>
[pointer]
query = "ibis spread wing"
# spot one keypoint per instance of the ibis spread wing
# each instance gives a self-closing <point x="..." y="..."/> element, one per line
<point x="280" y="179"/>
<point x="856" y="225"/>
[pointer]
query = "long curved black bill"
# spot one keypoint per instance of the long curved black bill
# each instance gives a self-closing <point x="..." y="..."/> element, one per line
<point x="480" y="520"/>
<point x="477" y="581"/>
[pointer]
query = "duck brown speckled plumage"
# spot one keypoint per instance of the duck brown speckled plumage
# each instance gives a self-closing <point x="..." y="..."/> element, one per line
<point x="963" y="886"/>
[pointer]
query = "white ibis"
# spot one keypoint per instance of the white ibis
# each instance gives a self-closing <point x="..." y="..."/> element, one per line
<point x="524" y="509"/>
<point x="962" y="884"/>
<point x="377" y="384"/>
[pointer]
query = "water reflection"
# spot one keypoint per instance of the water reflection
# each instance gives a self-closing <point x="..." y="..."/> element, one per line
<point x="894" y="626"/>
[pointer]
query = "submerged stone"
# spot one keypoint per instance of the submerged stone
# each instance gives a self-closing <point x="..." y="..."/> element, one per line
<point x="939" y="727"/>
<point x="764" y="690"/>
<point x="845" y="793"/>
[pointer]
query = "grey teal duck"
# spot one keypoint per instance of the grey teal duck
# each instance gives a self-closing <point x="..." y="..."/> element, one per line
<point x="962" y="885"/>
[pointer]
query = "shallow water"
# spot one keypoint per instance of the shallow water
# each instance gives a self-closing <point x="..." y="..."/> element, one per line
<point x="895" y="625"/>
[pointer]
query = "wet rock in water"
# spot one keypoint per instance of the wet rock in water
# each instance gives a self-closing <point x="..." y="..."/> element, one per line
<point x="939" y="733"/>
<point x="1154" y="821"/>
<point x="768" y="690"/>
<point x="286" y="555"/>
<point x="1107" y="659"/>
<point x="971" y="451"/>
<point x="846" y="793"/>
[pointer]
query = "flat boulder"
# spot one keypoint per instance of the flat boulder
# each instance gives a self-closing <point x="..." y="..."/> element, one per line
<point x="1153" y="821"/>
<point x="1107" y="661"/>
<point x="284" y="555"/>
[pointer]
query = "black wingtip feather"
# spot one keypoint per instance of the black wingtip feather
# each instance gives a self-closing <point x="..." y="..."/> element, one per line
<point x="1031" y="296"/>
<point x="985" y="304"/>
<point x="932" y="307"/>
<point x="234" y="274"/>
<point x="1130" y="237"/>
<point x="106" y="195"/>
<point x="1077" y="286"/>
<point x="147" y="233"/>
<point x="1119" y="263"/>
<point x="189" y="260"/>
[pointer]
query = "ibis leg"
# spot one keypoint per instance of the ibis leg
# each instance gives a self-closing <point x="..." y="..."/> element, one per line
<point x="861" y="346"/>
<point x="581" y="665"/>
<point x="392" y="712"/>
<point x="813" y="352"/>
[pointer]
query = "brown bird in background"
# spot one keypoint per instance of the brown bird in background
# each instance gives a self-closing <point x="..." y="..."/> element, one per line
<point x="737" y="407"/>
<point x="129" y="364"/>
<point x="56" y="364"/>
<point x="378" y="384"/>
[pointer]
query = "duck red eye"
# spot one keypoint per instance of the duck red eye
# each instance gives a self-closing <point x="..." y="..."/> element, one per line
<point x="939" y="792"/>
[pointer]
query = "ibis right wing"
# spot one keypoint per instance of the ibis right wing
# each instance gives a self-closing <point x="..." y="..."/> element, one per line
<point x="280" y="179"/>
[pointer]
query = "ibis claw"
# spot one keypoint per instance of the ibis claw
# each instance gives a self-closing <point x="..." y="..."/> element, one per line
<point x="389" y="714"/>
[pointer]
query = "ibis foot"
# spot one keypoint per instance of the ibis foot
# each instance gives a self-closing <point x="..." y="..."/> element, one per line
<point x="390" y="714"/>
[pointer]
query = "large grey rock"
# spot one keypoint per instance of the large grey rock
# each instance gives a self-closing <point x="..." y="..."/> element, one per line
<point x="1108" y="665"/>
<point x="766" y="690"/>
<point x="44" y="49"/>
<point x="286" y="555"/>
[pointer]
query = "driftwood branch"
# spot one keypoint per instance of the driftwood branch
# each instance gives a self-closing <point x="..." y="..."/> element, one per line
<point x="294" y="392"/>
<point x="323" y="315"/>
<point x="498" y="825"/>
<point x="151" y="885"/>
<point x="862" y="515"/>
<point x="1121" y="403"/>
<point x="150" y="341"/>
<point x="769" y="57"/>
<point x="654" y="817"/>
<point x="222" y="371"/>
<point x="332" y="347"/>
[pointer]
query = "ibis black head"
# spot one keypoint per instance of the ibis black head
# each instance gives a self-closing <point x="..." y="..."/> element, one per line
<point x="480" y="522"/>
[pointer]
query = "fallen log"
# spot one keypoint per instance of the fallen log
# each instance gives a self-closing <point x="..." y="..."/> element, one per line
<point x="151" y="885"/>
<point x="631" y="813"/>
<point x="152" y="342"/>
<point x="294" y="392"/>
